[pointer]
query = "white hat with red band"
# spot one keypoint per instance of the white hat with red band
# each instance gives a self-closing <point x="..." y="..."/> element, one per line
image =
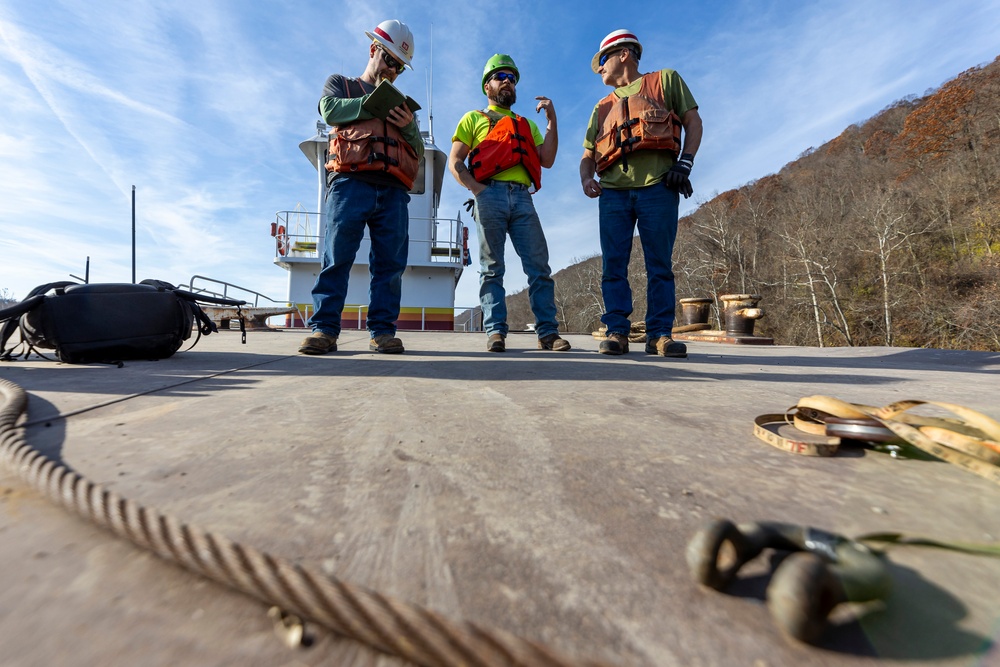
<point x="615" y="40"/>
<point x="395" y="38"/>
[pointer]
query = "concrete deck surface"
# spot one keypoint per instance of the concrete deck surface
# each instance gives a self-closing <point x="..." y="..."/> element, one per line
<point x="548" y="494"/>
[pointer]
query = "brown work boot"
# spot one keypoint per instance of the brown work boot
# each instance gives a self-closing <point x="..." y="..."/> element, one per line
<point x="665" y="346"/>
<point x="386" y="344"/>
<point x="496" y="343"/>
<point x="318" y="343"/>
<point x="614" y="343"/>
<point x="554" y="342"/>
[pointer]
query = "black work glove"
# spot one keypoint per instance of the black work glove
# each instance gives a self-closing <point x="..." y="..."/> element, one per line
<point x="469" y="204"/>
<point x="678" y="178"/>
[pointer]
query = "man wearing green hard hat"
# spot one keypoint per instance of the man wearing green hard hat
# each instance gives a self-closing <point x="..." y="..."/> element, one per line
<point x="498" y="156"/>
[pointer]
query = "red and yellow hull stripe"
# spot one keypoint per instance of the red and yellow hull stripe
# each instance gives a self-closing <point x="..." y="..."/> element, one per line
<point x="428" y="319"/>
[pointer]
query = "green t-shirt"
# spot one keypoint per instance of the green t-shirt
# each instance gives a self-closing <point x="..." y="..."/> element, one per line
<point x="474" y="127"/>
<point x="645" y="167"/>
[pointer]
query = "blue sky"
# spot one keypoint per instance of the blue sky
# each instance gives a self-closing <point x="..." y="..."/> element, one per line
<point x="201" y="106"/>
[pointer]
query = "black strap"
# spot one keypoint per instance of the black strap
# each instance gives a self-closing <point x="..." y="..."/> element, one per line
<point x="382" y="157"/>
<point x="627" y="125"/>
<point x="29" y="348"/>
<point x="11" y="315"/>
<point x="20" y="308"/>
<point x="216" y="300"/>
<point x="206" y="325"/>
<point x="163" y="285"/>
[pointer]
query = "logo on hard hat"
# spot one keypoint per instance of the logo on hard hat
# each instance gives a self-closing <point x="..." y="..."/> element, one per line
<point x="406" y="47"/>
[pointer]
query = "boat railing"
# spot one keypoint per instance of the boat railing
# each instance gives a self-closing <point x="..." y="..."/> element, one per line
<point x="225" y="290"/>
<point x="468" y="318"/>
<point x="296" y="233"/>
<point x="447" y="242"/>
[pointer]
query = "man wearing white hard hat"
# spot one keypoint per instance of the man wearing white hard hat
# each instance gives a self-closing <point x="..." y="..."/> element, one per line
<point x="633" y="145"/>
<point x="367" y="186"/>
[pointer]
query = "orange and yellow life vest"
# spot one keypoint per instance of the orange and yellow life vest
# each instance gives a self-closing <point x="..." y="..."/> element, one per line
<point x="638" y="122"/>
<point x="508" y="144"/>
<point x="372" y="145"/>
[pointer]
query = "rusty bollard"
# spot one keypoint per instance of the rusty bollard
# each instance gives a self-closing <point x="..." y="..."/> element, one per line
<point x="694" y="314"/>
<point x="740" y="313"/>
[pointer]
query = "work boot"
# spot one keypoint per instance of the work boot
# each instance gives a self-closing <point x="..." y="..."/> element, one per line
<point x="496" y="343"/>
<point x="554" y="342"/>
<point x="665" y="346"/>
<point x="318" y="343"/>
<point x="386" y="344"/>
<point x="614" y="343"/>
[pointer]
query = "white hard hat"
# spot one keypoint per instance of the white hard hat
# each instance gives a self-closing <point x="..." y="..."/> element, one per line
<point x="616" y="39"/>
<point x="396" y="38"/>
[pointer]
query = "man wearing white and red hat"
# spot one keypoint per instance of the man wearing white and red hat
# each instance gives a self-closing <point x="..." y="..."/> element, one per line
<point x="368" y="185"/>
<point x="633" y="146"/>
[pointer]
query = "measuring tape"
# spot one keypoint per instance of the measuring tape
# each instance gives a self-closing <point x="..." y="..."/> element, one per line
<point x="817" y="424"/>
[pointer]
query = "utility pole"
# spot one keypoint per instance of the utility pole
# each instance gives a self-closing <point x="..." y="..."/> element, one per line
<point x="86" y="274"/>
<point x="133" y="234"/>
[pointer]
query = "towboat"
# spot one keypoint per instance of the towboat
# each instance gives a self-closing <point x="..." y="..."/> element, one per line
<point x="438" y="250"/>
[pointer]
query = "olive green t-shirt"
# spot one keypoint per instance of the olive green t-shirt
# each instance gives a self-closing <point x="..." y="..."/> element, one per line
<point x="646" y="167"/>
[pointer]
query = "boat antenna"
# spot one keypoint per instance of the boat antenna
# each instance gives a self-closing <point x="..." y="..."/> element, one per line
<point x="430" y="92"/>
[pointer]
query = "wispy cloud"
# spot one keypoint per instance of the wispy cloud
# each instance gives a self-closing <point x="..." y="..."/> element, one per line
<point x="202" y="106"/>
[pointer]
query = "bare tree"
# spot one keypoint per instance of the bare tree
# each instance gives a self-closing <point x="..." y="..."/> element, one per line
<point x="884" y="214"/>
<point x="578" y="295"/>
<point x="6" y="298"/>
<point x="886" y="235"/>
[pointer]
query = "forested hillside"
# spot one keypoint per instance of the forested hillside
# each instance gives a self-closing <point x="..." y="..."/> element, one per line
<point x="887" y="235"/>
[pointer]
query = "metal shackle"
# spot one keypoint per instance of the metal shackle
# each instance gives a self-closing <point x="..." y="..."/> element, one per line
<point x="825" y="570"/>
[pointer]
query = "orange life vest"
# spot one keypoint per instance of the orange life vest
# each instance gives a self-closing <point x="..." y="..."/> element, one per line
<point x="508" y="144"/>
<point x="638" y="122"/>
<point x="372" y="145"/>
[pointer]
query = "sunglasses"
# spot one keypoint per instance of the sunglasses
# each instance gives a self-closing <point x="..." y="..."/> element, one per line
<point x="390" y="61"/>
<point x="505" y="76"/>
<point x="607" y="55"/>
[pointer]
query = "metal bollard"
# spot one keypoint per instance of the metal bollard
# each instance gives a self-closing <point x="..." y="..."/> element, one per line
<point x="740" y="313"/>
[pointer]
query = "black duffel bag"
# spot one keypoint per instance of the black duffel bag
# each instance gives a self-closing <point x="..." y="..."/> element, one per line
<point x="108" y="322"/>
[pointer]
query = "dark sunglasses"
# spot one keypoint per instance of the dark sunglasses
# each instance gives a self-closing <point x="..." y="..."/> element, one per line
<point x="607" y="55"/>
<point x="505" y="76"/>
<point x="390" y="61"/>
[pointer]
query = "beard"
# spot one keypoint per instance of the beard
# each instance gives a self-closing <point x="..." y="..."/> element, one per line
<point x="504" y="98"/>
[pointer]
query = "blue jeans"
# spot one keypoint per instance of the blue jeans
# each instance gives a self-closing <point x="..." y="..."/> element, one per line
<point x="352" y="204"/>
<point x="506" y="209"/>
<point x="654" y="210"/>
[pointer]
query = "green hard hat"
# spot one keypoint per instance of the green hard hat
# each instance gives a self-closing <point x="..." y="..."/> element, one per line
<point x="497" y="62"/>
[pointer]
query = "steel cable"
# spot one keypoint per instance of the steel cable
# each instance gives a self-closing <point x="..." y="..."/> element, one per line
<point x="391" y="626"/>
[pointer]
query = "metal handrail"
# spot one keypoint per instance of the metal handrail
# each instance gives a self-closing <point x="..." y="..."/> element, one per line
<point x="454" y="250"/>
<point x="225" y="289"/>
